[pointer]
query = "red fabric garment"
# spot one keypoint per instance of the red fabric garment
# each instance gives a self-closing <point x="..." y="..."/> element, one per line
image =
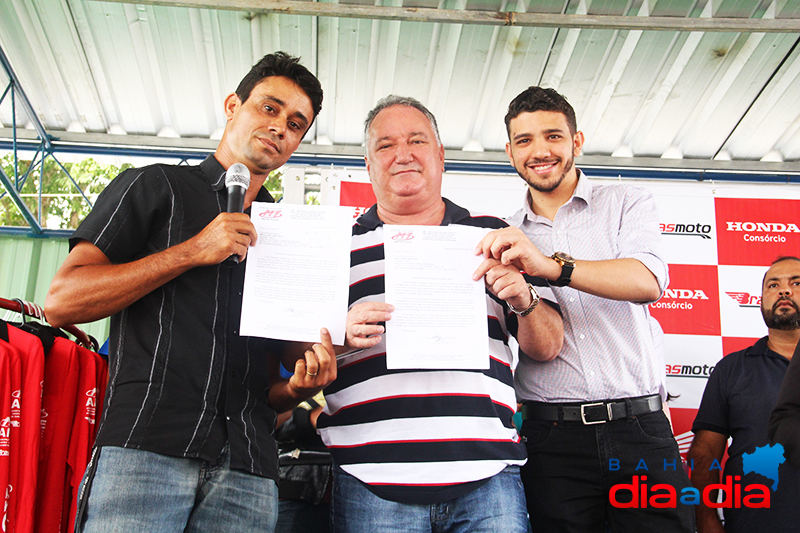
<point x="7" y="354"/>
<point x="61" y="375"/>
<point x="101" y="364"/>
<point x="29" y="429"/>
<point x="15" y="393"/>
<point x="83" y="432"/>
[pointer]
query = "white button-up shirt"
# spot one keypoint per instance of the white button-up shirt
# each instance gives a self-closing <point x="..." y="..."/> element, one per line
<point x="608" y="346"/>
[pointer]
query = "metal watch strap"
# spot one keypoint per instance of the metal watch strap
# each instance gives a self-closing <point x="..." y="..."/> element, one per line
<point x="530" y="308"/>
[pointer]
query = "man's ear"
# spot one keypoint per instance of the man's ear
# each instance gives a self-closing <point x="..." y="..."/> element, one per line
<point x="232" y="102"/>
<point x="577" y="141"/>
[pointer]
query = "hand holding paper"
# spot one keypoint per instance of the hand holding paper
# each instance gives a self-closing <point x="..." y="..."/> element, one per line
<point x="440" y="316"/>
<point x="297" y="275"/>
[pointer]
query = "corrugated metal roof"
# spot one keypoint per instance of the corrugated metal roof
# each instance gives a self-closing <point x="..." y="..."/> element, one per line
<point x="149" y="69"/>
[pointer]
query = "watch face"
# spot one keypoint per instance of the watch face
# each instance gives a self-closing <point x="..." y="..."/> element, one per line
<point x="561" y="257"/>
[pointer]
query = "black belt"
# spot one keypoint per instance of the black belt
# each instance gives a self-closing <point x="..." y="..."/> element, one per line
<point x="591" y="412"/>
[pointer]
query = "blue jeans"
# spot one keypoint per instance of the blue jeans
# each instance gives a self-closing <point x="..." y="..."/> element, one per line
<point x="571" y="468"/>
<point x="498" y="506"/>
<point x="134" y="490"/>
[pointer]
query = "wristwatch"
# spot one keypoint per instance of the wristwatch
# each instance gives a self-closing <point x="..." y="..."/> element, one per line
<point x="534" y="303"/>
<point x="567" y="263"/>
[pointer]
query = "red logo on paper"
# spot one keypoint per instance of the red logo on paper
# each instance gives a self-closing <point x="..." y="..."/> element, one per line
<point x="745" y="299"/>
<point x="407" y="236"/>
<point x="270" y="213"/>
<point x="756" y="231"/>
<point x="690" y="305"/>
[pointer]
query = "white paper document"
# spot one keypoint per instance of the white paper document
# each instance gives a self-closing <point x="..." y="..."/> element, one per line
<point x="297" y="276"/>
<point x="440" y="312"/>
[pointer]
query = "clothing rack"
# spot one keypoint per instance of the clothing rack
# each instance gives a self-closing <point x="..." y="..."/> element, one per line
<point x="35" y="311"/>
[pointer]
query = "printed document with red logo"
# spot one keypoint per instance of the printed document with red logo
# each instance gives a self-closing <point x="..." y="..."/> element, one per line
<point x="297" y="275"/>
<point x="440" y="312"/>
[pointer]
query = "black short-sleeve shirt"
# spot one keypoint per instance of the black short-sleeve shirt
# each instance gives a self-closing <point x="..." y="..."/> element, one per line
<point x="182" y="382"/>
<point x="737" y="402"/>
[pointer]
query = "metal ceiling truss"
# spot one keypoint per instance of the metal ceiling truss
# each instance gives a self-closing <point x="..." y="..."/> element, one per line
<point x="42" y="148"/>
<point x="492" y="18"/>
<point x="44" y="145"/>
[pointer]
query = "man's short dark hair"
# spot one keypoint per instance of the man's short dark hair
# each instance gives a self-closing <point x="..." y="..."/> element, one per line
<point x="779" y="260"/>
<point x="282" y="64"/>
<point x="786" y="258"/>
<point x="539" y="99"/>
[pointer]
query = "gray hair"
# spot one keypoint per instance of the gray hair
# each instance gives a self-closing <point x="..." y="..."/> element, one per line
<point x="407" y="101"/>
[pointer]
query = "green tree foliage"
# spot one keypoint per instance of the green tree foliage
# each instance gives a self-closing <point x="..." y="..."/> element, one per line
<point x="62" y="205"/>
<point x="274" y="184"/>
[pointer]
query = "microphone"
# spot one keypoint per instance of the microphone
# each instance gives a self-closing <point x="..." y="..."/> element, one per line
<point x="237" y="180"/>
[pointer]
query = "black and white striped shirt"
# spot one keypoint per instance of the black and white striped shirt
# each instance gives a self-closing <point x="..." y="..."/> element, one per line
<point x="421" y="436"/>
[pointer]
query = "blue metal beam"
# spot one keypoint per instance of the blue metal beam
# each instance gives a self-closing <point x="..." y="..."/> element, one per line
<point x="450" y="166"/>
<point x="26" y="104"/>
<point x="44" y="145"/>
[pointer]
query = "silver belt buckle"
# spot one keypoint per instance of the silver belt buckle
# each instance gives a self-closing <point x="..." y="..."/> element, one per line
<point x="583" y="413"/>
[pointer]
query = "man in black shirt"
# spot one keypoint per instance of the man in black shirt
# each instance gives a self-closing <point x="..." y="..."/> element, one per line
<point x="737" y="402"/>
<point x="186" y="441"/>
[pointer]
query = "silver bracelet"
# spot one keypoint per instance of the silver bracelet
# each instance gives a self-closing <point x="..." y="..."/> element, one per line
<point x="534" y="303"/>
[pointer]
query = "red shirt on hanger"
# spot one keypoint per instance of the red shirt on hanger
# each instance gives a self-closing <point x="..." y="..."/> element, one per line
<point x="61" y="375"/>
<point x="83" y="432"/>
<point x="29" y="430"/>
<point x="9" y="366"/>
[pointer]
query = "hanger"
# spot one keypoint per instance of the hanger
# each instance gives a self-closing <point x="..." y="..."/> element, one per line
<point x="28" y="309"/>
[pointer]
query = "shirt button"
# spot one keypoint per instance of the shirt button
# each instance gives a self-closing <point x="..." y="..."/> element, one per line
<point x="228" y="418"/>
<point x="590" y="373"/>
<point x="572" y="299"/>
<point x="582" y="336"/>
<point x="233" y="375"/>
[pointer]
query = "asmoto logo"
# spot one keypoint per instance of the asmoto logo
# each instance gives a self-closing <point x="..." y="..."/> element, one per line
<point x="690" y="371"/>
<point x="691" y="230"/>
<point x="679" y="294"/>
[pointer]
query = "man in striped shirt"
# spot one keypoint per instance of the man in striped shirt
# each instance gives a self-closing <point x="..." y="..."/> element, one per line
<point x="594" y="416"/>
<point x="185" y="442"/>
<point x="422" y="450"/>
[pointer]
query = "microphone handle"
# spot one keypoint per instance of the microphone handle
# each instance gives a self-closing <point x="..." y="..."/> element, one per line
<point x="235" y="205"/>
<point x="236" y="198"/>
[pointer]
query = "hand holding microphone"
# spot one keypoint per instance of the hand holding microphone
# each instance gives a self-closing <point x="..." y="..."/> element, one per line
<point x="237" y="180"/>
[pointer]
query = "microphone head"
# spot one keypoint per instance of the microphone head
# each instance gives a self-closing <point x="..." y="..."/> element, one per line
<point x="238" y="175"/>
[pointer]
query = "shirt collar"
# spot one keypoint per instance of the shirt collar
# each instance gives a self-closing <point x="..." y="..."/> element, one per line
<point x="583" y="190"/>
<point x="452" y="215"/>
<point x="214" y="173"/>
<point x="761" y="349"/>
